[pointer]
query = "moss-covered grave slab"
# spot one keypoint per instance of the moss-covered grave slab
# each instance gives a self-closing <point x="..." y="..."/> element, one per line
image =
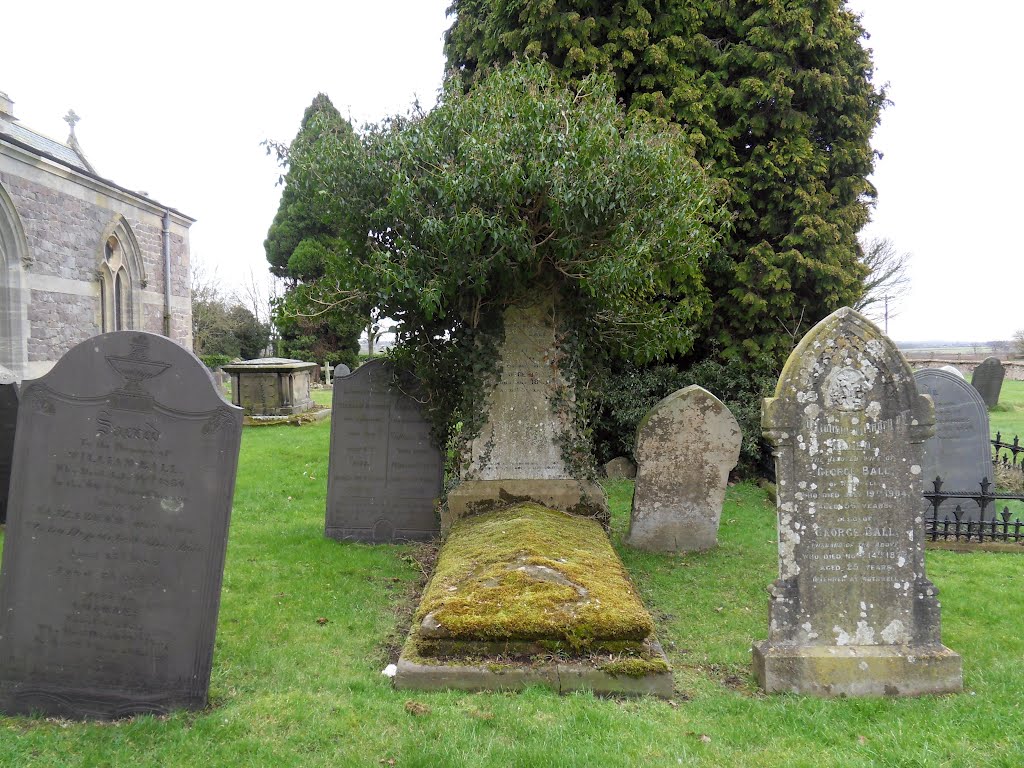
<point x="530" y="595"/>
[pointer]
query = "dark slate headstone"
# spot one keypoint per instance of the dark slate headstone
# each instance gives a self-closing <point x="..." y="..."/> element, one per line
<point x="852" y="612"/>
<point x="959" y="452"/>
<point x="385" y="472"/>
<point x="988" y="380"/>
<point x="8" y="421"/>
<point x="124" y="471"/>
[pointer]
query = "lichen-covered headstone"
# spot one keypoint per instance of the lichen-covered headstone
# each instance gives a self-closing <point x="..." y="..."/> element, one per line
<point x="852" y="612"/>
<point x="124" y="471"/>
<point x="385" y="472"/>
<point x="959" y="452"/>
<point x="988" y="380"/>
<point x="620" y="468"/>
<point x="8" y="421"/>
<point x="685" y="448"/>
<point x="519" y="453"/>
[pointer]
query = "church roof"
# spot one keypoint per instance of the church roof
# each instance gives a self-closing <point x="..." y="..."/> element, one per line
<point x="53" y="149"/>
<point x="67" y="154"/>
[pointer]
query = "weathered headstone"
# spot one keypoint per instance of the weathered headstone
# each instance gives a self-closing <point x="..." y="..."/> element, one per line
<point x="518" y="455"/>
<point x="272" y="386"/>
<point x="988" y="380"/>
<point x="620" y="468"/>
<point x="954" y="370"/>
<point x="685" y="448"/>
<point x="385" y="472"/>
<point x="852" y="612"/>
<point x="124" y="471"/>
<point x="8" y="421"/>
<point x="959" y="452"/>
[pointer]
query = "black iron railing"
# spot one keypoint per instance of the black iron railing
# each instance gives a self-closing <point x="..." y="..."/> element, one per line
<point x="952" y="525"/>
<point x="1007" y="454"/>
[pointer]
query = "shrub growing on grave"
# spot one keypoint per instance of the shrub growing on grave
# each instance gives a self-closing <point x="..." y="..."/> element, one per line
<point x="515" y="186"/>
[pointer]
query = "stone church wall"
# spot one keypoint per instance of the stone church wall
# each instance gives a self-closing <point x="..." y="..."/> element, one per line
<point x="66" y="218"/>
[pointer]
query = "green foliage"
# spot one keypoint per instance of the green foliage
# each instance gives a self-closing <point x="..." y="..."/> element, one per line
<point x="224" y="328"/>
<point x="304" y="245"/>
<point x="623" y="393"/>
<point x="309" y="330"/>
<point x="514" y="187"/>
<point x="215" y="361"/>
<point x="776" y="100"/>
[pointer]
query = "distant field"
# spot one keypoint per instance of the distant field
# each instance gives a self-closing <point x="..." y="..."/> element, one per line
<point x="959" y="352"/>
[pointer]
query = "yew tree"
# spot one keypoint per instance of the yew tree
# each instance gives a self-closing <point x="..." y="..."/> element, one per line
<point x="776" y="99"/>
<point x="303" y="243"/>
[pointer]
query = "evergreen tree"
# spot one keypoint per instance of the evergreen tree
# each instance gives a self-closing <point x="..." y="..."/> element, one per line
<point x="303" y="244"/>
<point x="514" y="188"/>
<point x="775" y="97"/>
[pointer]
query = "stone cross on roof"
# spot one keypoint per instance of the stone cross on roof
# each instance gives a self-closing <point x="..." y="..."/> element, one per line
<point x="71" y="118"/>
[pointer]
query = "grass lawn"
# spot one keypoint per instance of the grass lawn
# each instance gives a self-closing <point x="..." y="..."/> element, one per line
<point x="307" y="624"/>
<point x="1008" y="416"/>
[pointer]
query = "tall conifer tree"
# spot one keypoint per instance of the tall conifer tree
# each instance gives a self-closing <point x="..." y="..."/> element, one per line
<point x="777" y="100"/>
<point x="304" y="245"/>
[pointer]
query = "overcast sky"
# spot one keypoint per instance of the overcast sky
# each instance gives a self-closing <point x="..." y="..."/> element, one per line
<point x="176" y="99"/>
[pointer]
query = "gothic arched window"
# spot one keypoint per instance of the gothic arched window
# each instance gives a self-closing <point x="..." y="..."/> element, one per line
<point x="121" y="279"/>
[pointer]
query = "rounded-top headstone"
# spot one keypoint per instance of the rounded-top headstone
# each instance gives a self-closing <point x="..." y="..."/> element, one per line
<point x="954" y="370"/>
<point x="959" y="452"/>
<point x="988" y="380"/>
<point x="620" y="468"/>
<point x="685" y="448"/>
<point x="123" y="476"/>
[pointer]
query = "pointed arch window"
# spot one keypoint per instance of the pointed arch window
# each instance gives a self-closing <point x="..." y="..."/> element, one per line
<point x="121" y="277"/>
<point x="115" y="288"/>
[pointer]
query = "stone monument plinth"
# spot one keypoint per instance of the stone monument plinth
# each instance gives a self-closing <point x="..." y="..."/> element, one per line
<point x="518" y="454"/>
<point x="271" y="386"/>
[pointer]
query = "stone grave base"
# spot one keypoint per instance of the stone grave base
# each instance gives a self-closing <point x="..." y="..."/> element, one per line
<point x="861" y="670"/>
<point x="565" y="676"/>
<point x="579" y="497"/>
<point x="529" y="595"/>
<point x="306" y="417"/>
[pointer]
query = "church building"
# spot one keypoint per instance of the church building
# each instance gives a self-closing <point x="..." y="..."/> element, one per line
<point x="80" y="255"/>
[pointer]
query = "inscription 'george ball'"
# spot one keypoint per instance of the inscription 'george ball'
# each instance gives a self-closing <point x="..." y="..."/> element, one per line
<point x="852" y="612"/>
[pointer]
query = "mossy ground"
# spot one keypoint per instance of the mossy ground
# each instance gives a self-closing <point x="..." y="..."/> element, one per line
<point x="531" y="573"/>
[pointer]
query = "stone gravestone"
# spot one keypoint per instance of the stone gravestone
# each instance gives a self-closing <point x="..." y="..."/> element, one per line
<point x="518" y="454"/>
<point x="124" y="471"/>
<point x="620" y="468"/>
<point x="385" y="472"/>
<point x="852" y="612"/>
<point x="685" y="448"/>
<point x="959" y="452"/>
<point x="954" y="370"/>
<point x="988" y="380"/>
<point x="8" y="420"/>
